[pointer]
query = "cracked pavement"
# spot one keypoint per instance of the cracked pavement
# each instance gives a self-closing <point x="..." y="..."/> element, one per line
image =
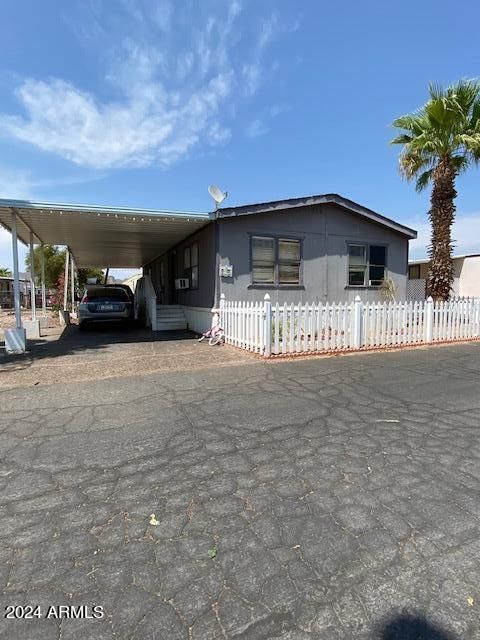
<point x="335" y="492"/>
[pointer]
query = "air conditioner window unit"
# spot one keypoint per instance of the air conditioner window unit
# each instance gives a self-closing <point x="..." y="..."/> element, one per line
<point x="182" y="283"/>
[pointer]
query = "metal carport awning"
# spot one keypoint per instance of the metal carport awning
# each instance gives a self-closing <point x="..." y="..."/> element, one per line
<point x="95" y="236"/>
<point x="101" y="236"/>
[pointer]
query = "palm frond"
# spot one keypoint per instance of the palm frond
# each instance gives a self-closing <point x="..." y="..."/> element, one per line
<point x="403" y="138"/>
<point x="423" y="180"/>
<point x="412" y="161"/>
<point x="436" y="91"/>
<point x="475" y="116"/>
<point x="413" y="122"/>
<point x="470" y="140"/>
<point x="446" y="128"/>
<point x="464" y="93"/>
<point x="460" y="163"/>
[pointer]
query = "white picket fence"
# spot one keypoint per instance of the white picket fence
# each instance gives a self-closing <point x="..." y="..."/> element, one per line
<point x="244" y="324"/>
<point x="284" y="329"/>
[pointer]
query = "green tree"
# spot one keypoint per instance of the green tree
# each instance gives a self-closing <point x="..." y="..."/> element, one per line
<point x="5" y="272"/>
<point x="55" y="268"/>
<point x="440" y="141"/>
<point x="54" y="264"/>
<point x="85" y="274"/>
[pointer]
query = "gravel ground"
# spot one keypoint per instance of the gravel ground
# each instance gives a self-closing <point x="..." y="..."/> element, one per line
<point x="105" y="352"/>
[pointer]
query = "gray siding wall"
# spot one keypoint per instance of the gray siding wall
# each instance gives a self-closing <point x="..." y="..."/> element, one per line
<point x="205" y="294"/>
<point x="325" y="231"/>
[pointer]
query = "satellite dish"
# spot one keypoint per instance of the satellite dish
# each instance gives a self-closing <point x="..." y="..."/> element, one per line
<point x="217" y="194"/>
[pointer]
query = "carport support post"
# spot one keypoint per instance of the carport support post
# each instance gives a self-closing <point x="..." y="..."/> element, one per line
<point x="42" y="277"/>
<point x="65" y="281"/>
<point x="16" y="277"/>
<point x="32" y="280"/>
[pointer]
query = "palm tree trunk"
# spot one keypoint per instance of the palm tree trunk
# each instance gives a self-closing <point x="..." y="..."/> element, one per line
<point x="441" y="214"/>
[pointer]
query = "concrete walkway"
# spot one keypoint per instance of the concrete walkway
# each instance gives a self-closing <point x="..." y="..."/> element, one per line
<point x="316" y="499"/>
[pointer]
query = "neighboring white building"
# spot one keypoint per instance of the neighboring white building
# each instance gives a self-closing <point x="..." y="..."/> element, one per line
<point x="132" y="280"/>
<point x="466" y="283"/>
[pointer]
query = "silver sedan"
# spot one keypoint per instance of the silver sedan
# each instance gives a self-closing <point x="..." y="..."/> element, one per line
<point x="105" y="304"/>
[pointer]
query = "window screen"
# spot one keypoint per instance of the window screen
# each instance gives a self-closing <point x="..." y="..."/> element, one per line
<point x="357" y="264"/>
<point x="276" y="261"/>
<point x="366" y="265"/>
<point x="263" y="260"/>
<point x="377" y="265"/>
<point x="289" y="262"/>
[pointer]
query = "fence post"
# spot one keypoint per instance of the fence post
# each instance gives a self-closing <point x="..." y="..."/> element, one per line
<point x="217" y="312"/>
<point x="357" y="322"/>
<point x="429" y="319"/>
<point x="222" y="311"/>
<point x="267" y="314"/>
<point x="476" y="316"/>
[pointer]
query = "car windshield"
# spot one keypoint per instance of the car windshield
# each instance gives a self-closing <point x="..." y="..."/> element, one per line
<point x="107" y="293"/>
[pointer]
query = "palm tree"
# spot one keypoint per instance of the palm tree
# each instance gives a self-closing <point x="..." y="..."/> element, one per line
<point x="440" y="141"/>
<point x="5" y="272"/>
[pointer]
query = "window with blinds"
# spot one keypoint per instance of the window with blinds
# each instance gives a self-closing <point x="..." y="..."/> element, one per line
<point x="275" y="261"/>
<point x="263" y="260"/>
<point x="289" y="262"/>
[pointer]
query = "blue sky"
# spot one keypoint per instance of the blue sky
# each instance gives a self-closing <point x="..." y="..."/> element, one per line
<point x="146" y="102"/>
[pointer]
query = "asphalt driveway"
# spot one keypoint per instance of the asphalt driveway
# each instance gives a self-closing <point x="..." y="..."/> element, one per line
<point x="323" y="498"/>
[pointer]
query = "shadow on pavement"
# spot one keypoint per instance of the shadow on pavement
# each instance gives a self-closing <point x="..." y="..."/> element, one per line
<point x="406" y="626"/>
<point x="97" y="337"/>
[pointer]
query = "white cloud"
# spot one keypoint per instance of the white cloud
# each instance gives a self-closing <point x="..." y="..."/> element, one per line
<point x="267" y="32"/>
<point x="465" y="234"/>
<point x="256" y="128"/>
<point x="18" y="184"/>
<point x="164" y="101"/>
<point x="149" y="126"/>
<point x="218" y="134"/>
<point x="15" y="184"/>
<point x="251" y="74"/>
<point x="162" y="15"/>
<point x="276" y="110"/>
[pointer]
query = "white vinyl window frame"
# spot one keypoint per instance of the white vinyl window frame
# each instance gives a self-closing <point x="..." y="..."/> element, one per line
<point x="275" y="262"/>
<point x="363" y="264"/>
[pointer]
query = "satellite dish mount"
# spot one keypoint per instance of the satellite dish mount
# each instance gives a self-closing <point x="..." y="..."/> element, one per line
<point x="217" y="194"/>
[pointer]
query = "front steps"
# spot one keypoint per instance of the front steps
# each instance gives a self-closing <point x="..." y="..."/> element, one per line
<point x="170" y="317"/>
